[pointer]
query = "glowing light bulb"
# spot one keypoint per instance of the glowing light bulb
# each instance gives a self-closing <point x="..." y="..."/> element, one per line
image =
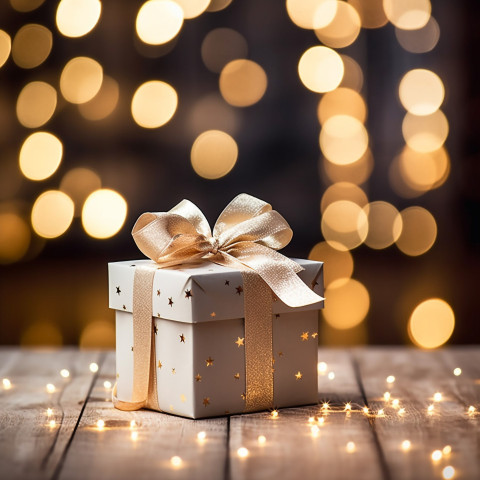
<point x="50" y="387"/>
<point x="274" y="413"/>
<point x="395" y="403"/>
<point x="430" y="409"/>
<point x="7" y="384"/>
<point x="262" y="439"/>
<point x="133" y="424"/>
<point x="448" y="472"/>
<point x="314" y="430"/>
<point x="437" y="455"/>
<point x="243" y="452"/>
<point x="381" y="412"/>
<point x="365" y="410"/>
<point x="176" y="461"/>
<point x="401" y="411"/>
<point x="471" y="409"/>
<point x="331" y="375"/>
<point x="93" y="367"/>
<point x="390" y="379"/>
<point x="321" y="420"/>
<point x="351" y="447"/>
<point x="51" y="423"/>
<point x="447" y="450"/>
<point x="107" y="384"/>
<point x="49" y="412"/>
<point x="201" y="436"/>
<point x="348" y="407"/>
<point x="406" y="445"/>
<point x="311" y="419"/>
<point x="437" y="397"/>
<point x="457" y="371"/>
<point x="100" y="424"/>
<point x="64" y="373"/>
<point x="386" y="396"/>
<point x="325" y="406"/>
<point x="134" y="436"/>
<point x="322" y="368"/>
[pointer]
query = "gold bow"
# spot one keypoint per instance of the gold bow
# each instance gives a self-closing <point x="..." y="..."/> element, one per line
<point x="246" y="236"/>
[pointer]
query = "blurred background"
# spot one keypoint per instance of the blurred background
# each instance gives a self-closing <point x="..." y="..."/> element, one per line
<point x="356" y="120"/>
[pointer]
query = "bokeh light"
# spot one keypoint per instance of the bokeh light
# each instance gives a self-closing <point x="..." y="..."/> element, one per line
<point x="221" y="46"/>
<point x="98" y="334"/>
<point x="358" y="172"/>
<point x="5" y="47"/>
<point x="193" y="8"/>
<point x="36" y="104"/>
<point x="311" y="14"/>
<point x="25" y="5"/>
<point x="40" y="155"/>
<point x="431" y="323"/>
<point x="344" y="225"/>
<point x="425" y="133"/>
<point x="214" y="154"/>
<point x="343" y="191"/>
<point x="52" y="214"/>
<point x="343" y="139"/>
<point x="419" y="231"/>
<point x="104" y="213"/>
<point x="320" y="69"/>
<point x="384" y="224"/>
<point x="408" y="14"/>
<point x="242" y="82"/>
<point x="372" y="14"/>
<point x="14" y="237"/>
<point x="76" y="18"/>
<point x="159" y="21"/>
<point x="31" y="45"/>
<point x="78" y="183"/>
<point x="81" y="79"/>
<point x="343" y="314"/>
<point x="340" y="263"/>
<point x="352" y="74"/>
<point x="211" y="112"/>
<point x="217" y="5"/>
<point x="341" y="101"/>
<point x="343" y="30"/>
<point x="153" y="104"/>
<point x="421" y="91"/>
<point x="42" y="333"/>
<point x="422" y="40"/>
<point x="103" y="103"/>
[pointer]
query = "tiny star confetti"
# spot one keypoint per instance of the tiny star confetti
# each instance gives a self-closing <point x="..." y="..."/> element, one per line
<point x="239" y="289"/>
<point x="209" y="361"/>
<point x="50" y="387"/>
<point x="240" y="341"/>
<point x="243" y="452"/>
<point x="206" y="401"/>
<point x="198" y="377"/>
<point x="93" y="367"/>
<point x="298" y="375"/>
<point x="304" y="336"/>
<point x="182" y="338"/>
<point x="64" y="373"/>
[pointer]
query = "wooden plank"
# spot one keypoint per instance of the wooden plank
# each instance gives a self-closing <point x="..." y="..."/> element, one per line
<point x="418" y="376"/>
<point x="31" y="448"/>
<point x="112" y="452"/>
<point x="293" y="451"/>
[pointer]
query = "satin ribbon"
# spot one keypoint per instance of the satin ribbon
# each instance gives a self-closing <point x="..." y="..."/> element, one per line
<point x="246" y="236"/>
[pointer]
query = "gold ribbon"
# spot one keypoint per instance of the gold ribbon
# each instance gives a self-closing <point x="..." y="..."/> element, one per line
<point x="246" y="236"/>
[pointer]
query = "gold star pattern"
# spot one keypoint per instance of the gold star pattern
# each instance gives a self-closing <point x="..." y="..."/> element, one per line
<point x="304" y="336"/>
<point x="244" y="396"/>
<point x="118" y="375"/>
<point x="206" y="401"/>
<point x="160" y="364"/>
<point x="298" y="375"/>
<point x="227" y="283"/>
<point x="171" y="408"/>
<point x="240" y="342"/>
<point x="124" y="307"/>
<point x="183" y="398"/>
<point x="239" y="289"/>
<point x="188" y="294"/>
<point x="198" y="377"/>
<point x="118" y="290"/>
<point x="132" y="349"/>
<point x="158" y="293"/>
<point x="280" y="354"/>
<point x="314" y="335"/>
<point x="155" y="329"/>
<point x="170" y="301"/>
<point x="173" y="371"/>
<point x="213" y="314"/>
<point x="277" y="315"/>
<point x="209" y="361"/>
<point x="236" y="376"/>
<point x="182" y="338"/>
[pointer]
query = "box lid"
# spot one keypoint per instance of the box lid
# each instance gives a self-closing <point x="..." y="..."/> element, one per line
<point x="198" y="292"/>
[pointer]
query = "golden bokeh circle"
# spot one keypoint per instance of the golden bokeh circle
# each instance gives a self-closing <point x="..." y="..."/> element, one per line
<point x="31" y="45"/>
<point x="311" y="14"/>
<point x="341" y="101"/>
<point x="52" y="214"/>
<point x="339" y="263"/>
<point x="76" y="18"/>
<point x="408" y="14"/>
<point x="81" y="79"/>
<point x="78" y="183"/>
<point x="343" y="191"/>
<point x="384" y="225"/>
<point x="421" y="91"/>
<point x="418" y="231"/>
<point x="14" y="237"/>
<point x="36" y="104"/>
<point x="103" y="103"/>
<point x="5" y="47"/>
<point x="425" y="133"/>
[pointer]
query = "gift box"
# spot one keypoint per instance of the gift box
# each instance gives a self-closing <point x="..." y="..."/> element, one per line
<point x="199" y="339"/>
<point x="216" y="322"/>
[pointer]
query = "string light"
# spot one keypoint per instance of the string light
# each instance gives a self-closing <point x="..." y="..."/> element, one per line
<point x="457" y="371"/>
<point x="401" y="411"/>
<point x="447" y="450"/>
<point x="471" y="409"/>
<point x="49" y="412"/>
<point x="107" y="384"/>
<point x="176" y="461"/>
<point x="348" y="407"/>
<point x="390" y="379"/>
<point x="243" y="452"/>
<point x="430" y="409"/>
<point x="262" y="439"/>
<point x="100" y="424"/>
<point x="436" y="455"/>
<point x="321" y="420"/>
<point x="437" y="397"/>
<point x="448" y="472"/>
<point x="331" y="375"/>
<point x="322" y="368"/>
<point x="7" y="384"/>
<point x="201" y="436"/>
<point x="133" y="423"/>
<point x="386" y="396"/>
<point x="134" y="436"/>
<point x="351" y="447"/>
<point x="50" y="387"/>
<point x="64" y="373"/>
<point x="311" y="419"/>
<point x="395" y="403"/>
<point x="314" y="430"/>
<point x="325" y="406"/>
<point x="406" y="445"/>
<point x="381" y="412"/>
<point x="93" y="367"/>
<point x="365" y="410"/>
<point x="274" y="413"/>
<point x="51" y="423"/>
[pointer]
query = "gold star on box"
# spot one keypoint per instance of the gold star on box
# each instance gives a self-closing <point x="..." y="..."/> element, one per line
<point x="198" y="377"/>
<point x="314" y="335"/>
<point x="182" y="338"/>
<point x="183" y="398"/>
<point x="304" y="336"/>
<point x="160" y="364"/>
<point x="158" y="293"/>
<point x="124" y="307"/>
<point x="209" y="361"/>
<point x="240" y="341"/>
<point x="298" y="375"/>
<point x="155" y="329"/>
<point x="244" y="396"/>
<point x="227" y="283"/>
<point x="173" y="371"/>
<point x="280" y="354"/>
<point x="206" y="401"/>
<point x="236" y="376"/>
<point x="239" y="289"/>
<point x="213" y="314"/>
<point x="118" y="290"/>
<point x="170" y="301"/>
<point x="132" y="349"/>
<point x="188" y="294"/>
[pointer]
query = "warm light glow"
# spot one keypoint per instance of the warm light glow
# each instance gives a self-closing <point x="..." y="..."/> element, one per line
<point x="76" y="18"/>
<point x="471" y="409"/>
<point x="341" y="314"/>
<point x="201" y="436"/>
<point x="457" y="371"/>
<point x="351" y="447"/>
<point x="343" y="30"/>
<point x="331" y="375"/>
<point x="99" y="334"/>
<point x="344" y="225"/>
<point x="431" y="323"/>
<point x="40" y="155"/>
<point x="384" y="225"/>
<point x="401" y="411"/>
<point x="134" y="436"/>
<point x="214" y="154"/>
<point x="103" y="103"/>
<point x="7" y="384"/>
<point x="343" y="139"/>
<point x="381" y="412"/>
<point x="352" y="75"/>
<point x="311" y="420"/>
<point x="40" y="334"/>
<point x="5" y="47"/>
<point x="342" y="101"/>
<point x="371" y="12"/>
<point x="448" y="472"/>
<point x="421" y="91"/>
<point x="193" y="8"/>
<point x="25" y="5"/>
<point x="365" y="410"/>
<point x="314" y="430"/>
<point x="325" y="406"/>
<point x="217" y="5"/>
<point x="341" y="266"/>
<point x="81" y="79"/>
<point x="158" y="21"/>
<point x="422" y="40"/>
<point x="31" y="46"/>
<point x="49" y="412"/>
<point x="395" y="403"/>
<point x="436" y="455"/>
<point x="64" y="373"/>
<point x="154" y="104"/>
<point x="50" y="388"/>
<point x="242" y="82"/>
<point x="437" y="397"/>
<point x="406" y="445"/>
<point x="14" y="237"/>
<point x="100" y="424"/>
<point x="322" y="368"/>
<point x="52" y="214"/>
<point x="425" y="133"/>
<point x="343" y="191"/>
<point x="108" y="385"/>
<point x="52" y="423"/>
<point x="419" y="231"/>
<point x="262" y="439"/>
<point x="104" y="213"/>
<point x="408" y="14"/>
<point x="321" y="420"/>
<point x="133" y="424"/>
<point x="321" y="69"/>
<point x="311" y="14"/>
<point x="386" y="396"/>
<point x="274" y="414"/>
<point x="36" y="104"/>
<point x="221" y="46"/>
<point x="93" y="367"/>
<point x="242" y="452"/>
<point x="78" y="184"/>
<point x="357" y="172"/>
<point x="447" y="450"/>
<point x="348" y="407"/>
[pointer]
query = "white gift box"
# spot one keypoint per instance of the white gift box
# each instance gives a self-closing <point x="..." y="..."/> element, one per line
<point x="200" y="341"/>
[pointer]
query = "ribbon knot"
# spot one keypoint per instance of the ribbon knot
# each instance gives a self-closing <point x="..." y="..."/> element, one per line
<point x="215" y="245"/>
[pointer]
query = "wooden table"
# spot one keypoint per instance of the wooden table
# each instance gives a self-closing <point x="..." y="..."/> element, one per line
<point x="68" y="444"/>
